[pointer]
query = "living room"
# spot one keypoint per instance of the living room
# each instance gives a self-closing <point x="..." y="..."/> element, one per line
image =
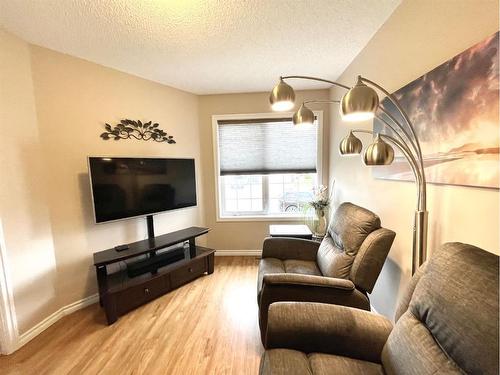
<point x="260" y="169"/>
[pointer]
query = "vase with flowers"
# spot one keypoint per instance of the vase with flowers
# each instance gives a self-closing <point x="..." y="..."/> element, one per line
<point x="320" y="203"/>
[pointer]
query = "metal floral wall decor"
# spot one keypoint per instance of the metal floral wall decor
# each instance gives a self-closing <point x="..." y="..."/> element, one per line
<point x="127" y="129"/>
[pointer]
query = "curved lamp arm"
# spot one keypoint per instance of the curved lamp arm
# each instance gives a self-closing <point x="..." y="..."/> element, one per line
<point x="321" y="101"/>
<point x="401" y="144"/>
<point x="318" y="79"/>
<point x="393" y="99"/>
<point x="409" y="157"/>
<point x="411" y="136"/>
<point x="422" y="203"/>
<point x="408" y="136"/>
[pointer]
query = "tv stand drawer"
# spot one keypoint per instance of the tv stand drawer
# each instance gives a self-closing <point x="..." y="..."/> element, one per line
<point x="120" y="293"/>
<point x="135" y="296"/>
<point x="188" y="272"/>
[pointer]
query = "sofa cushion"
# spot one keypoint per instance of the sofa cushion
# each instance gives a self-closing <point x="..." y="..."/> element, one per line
<point x="451" y="325"/>
<point x="293" y="362"/>
<point x="332" y="261"/>
<point x="327" y="364"/>
<point x="273" y="265"/>
<point x="284" y="362"/>
<point x="303" y="267"/>
<point x="411" y="349"/>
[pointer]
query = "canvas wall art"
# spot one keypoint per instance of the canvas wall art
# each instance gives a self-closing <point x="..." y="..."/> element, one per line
<point x="455" y="111"/>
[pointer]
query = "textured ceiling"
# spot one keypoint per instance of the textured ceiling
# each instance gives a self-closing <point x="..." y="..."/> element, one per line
<point x="204" y="46"/>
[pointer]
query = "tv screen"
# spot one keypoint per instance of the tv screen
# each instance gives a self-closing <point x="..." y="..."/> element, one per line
<point x="129" y="187"/>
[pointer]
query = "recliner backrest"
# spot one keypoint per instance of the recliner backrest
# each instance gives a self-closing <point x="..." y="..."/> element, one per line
<point x="451" y="323"/>
<point x="351" y="225"/>
<point x="355" y="247"/>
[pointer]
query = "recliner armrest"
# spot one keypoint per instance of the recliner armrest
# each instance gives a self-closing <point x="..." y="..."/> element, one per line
<point x="306" y="288"/>
<point x="308" y="280"/>
<point x="333" y="329"/>
<point x="289" y="248"/>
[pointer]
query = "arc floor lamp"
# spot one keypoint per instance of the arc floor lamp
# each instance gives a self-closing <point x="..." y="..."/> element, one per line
<point x="361" y="103"/>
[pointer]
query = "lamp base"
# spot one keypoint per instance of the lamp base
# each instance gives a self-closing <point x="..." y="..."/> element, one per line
<point x="419" y="240"/>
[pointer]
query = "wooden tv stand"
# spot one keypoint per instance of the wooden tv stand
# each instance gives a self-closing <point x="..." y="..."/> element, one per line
<point x="154" y="273"/>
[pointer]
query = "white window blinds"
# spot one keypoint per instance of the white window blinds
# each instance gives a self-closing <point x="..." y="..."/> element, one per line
<point x="266" y="146"/>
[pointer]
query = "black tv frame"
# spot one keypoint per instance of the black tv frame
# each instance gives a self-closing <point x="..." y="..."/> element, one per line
<point x="148" y="216"/>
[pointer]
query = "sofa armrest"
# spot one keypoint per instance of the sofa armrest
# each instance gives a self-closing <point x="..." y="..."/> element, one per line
<point x="316" y="327"/>
<point x="307" y="280"/>
<point x="289" y="248"/>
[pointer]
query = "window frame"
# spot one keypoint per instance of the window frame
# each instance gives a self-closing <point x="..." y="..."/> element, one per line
<point x="217" y="182"/>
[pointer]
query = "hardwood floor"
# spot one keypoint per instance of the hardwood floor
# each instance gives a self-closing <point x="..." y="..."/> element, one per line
<point x="208" y="326"/>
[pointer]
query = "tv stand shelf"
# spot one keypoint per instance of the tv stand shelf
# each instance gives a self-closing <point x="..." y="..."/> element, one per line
<point x="146" y="246"/>
<point x="119" y="292"/>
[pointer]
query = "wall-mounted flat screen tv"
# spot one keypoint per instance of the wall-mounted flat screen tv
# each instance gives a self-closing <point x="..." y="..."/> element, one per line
<point x="129" y="187"/>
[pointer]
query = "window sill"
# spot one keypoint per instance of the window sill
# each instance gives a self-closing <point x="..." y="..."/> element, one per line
<point x="261" y="218"/>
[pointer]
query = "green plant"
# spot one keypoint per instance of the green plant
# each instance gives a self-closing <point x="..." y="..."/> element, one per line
<point x="321" y="199"/>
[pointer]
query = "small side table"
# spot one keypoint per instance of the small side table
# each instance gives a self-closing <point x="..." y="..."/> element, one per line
<point x="294" y="231"/>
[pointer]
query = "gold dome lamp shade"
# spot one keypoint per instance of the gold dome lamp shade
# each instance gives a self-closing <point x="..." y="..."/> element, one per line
<point x="282" y="97"/>
<point x="304" y="116"/>
<point x="379" y="153"/>
<point x="350" y="145"/>
<point x="359" y="103"/>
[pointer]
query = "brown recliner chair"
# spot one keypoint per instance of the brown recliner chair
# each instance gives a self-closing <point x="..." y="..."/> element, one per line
<point x="446" y="323"/>
<point x="341" y="270"/>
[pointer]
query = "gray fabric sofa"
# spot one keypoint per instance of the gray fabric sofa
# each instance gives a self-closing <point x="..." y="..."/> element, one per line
<point x="341" y="270"/>
<point x="446" y="323"/>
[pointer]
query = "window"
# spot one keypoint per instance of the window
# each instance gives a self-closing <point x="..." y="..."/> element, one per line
<point x="266" y="166"/>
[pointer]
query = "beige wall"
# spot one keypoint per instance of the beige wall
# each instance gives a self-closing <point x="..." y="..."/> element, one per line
<point x="53" y="109"/>
<point x="419" y="36"/>
<point x="24" y="213"/>
<point x="74" y="98"/>
<point x="242" y="235"/>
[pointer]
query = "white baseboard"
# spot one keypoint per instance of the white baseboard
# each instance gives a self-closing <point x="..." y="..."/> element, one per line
<point x="232" y="253"/>
<point x="8" y="321"/>
<point x="47" y="322"/>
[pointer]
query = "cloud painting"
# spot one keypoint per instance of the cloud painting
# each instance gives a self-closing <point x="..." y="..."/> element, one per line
<point x="455" y="112"/>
